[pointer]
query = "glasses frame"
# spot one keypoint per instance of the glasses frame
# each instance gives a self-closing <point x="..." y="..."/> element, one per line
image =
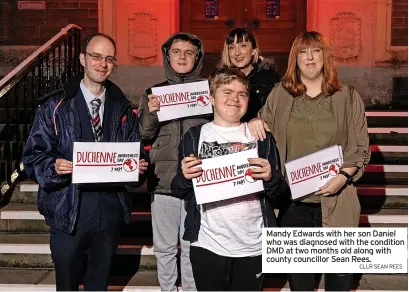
<point x="99" y="58"/>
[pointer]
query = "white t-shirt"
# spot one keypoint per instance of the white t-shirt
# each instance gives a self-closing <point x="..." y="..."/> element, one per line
<point x="230" y="227"/>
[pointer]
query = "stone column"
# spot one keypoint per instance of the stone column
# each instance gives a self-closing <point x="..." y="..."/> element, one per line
<point x="139" y="28"/>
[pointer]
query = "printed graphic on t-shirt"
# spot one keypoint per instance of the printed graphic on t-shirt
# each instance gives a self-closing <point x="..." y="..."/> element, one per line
<point x="214" y="149"/>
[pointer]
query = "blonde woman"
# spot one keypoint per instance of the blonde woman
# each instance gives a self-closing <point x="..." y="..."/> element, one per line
<point x="241" y="51"/>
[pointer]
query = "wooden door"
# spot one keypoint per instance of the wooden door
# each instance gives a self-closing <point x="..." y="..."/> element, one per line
<point x="274" y="35"/>
<point x="212" y="31"/>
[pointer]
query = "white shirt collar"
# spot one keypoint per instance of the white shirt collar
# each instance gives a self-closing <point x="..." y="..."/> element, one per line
<point x="89" y="96"/>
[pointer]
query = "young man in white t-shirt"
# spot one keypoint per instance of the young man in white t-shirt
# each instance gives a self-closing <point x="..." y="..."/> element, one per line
<point x="225" y="235"/>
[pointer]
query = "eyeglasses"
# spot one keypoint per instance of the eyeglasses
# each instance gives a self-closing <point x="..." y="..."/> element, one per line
<point x="99" y="58"/>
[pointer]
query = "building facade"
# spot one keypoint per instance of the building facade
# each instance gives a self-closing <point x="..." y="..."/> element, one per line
<point x="369" y="37"/>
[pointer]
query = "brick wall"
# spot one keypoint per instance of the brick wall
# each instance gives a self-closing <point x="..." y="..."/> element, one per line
<point x="35" y="27"/>
<point x="399" y="31"/>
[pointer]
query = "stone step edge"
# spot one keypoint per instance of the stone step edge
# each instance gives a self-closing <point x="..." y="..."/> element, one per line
<point x="146" y="216"/>
<point x="383" y="168"/>
<point x="44" y="248"/>
<point x="51" y="287"/>
<point x="388" y="148"/>
<point x="386" y="114"/>
<point x="32" y="187"/>
<point x="27" y="187"/>
<point x="381" y="191"/>
<point x="35" y="215"/>
<point x="384" y="130"/>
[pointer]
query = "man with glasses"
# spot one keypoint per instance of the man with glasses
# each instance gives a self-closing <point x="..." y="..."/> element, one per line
<point x="85" y="219"/>
<point x="183" y="61"/>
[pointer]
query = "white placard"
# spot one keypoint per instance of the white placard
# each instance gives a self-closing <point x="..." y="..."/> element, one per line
<point x="183" y="100"/>
<point x="226" y="177"/>
<point x="105" y="162"/>
<point x="308" y="173"/>
<point x="335" y="250"/>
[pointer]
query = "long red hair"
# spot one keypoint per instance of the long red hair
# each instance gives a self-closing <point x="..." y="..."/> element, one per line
<point x="292" y="80"/>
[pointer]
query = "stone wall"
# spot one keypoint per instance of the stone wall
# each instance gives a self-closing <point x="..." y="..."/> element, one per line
<point x="35" y="22"/>
<point x="369" y="42"/>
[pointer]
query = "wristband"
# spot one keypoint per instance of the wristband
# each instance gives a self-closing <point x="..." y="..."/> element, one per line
<point x="349" y="177"/>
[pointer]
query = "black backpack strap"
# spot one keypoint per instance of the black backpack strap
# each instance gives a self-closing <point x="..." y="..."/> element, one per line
<point x="264" y="146"/>
<point x="195" y="135"/>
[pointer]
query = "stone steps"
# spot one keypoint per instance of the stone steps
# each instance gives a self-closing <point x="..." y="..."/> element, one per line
<point x="35" y="251"/>
<point x="26" y="192"/>
<point x="32" y="250"/>
<point x="21" y="215"/>
<point x="382" y="191"/>
<point x="18" y="279"/>
<point x="17" y="217"/>
<point x="24" y="218"/>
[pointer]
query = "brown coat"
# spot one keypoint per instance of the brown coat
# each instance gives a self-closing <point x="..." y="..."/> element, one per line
<point x="344" y="209"/>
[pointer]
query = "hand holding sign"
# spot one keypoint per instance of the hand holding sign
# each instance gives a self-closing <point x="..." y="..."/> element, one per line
<point x="143" y="166"/>
<point x="224" y="177"/>
<point x="189" y="167"/>
<point x="316" y="173"/>
<point x="153" y="103"/>
<point x="332" y="186"/>
<point x="263" y="170"/>
<point x="63" y="166"/>
<point x="180" y="100"/>
<point x="107" y="162"/>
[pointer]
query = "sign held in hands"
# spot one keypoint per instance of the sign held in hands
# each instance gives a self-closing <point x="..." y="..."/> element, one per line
<point x="105" y="162"/>
<point x="183" y="100"/>
<point x="308" y="173"/>
<point x="226" y="177"/>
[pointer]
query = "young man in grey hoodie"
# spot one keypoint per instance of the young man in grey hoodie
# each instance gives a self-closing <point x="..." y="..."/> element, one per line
<point x="183" y="62"/>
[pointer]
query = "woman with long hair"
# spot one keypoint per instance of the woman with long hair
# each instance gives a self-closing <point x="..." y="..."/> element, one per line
<point x="241" y="51"/>
<point x="308" y="111"/>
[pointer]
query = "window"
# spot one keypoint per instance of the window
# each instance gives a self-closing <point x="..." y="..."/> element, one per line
<point x="212" y="9"/>
<point x="273" y="8"/>
<point x="399" y="23"/>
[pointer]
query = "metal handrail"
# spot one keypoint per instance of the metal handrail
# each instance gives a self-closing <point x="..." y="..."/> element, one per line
<point x="42" y="72"/>
<point x="8" y="81"/>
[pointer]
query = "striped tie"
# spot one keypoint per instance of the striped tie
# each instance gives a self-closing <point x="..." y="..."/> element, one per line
<point x="96" y="120"/>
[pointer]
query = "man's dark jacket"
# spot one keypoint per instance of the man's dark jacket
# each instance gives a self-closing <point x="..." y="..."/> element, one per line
<point x="55" y="128"/>
<point x="183" y="188"/>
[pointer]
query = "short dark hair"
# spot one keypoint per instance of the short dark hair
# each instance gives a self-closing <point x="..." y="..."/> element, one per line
<point x="185" y="38"/>
<point x="88" y="38"/>
<point x="226" y="75"/>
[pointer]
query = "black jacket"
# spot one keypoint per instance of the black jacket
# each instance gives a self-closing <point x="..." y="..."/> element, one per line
<point x="55" y="128"/>
<point x="262" y="79"/>
<point x="182" y="188"/>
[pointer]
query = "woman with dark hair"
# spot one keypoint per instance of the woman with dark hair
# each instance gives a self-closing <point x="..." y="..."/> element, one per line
<point x="241" y="51"/>
<point x="308" y="111"/>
